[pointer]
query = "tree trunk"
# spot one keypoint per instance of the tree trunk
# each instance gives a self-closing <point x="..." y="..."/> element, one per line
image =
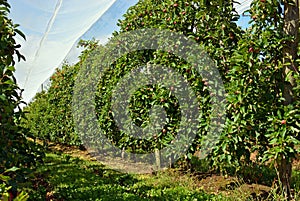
<point x="291" y="27"/>
<point x="133" y="154"/>
<point x="123" y="153"/>
<point x="284" y="171"/>
<point x="157" y="159"/>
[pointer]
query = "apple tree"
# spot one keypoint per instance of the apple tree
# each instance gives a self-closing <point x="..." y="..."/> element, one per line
<point x="198" y="20"/>
<point x="17" y="154"/>
<point x="263" y="91"/>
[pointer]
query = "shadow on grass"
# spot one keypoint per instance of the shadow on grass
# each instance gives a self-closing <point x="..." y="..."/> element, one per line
<point x="68" y="178"/>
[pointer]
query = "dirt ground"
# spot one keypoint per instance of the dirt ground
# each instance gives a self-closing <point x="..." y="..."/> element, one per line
<point x="116" y="163"/>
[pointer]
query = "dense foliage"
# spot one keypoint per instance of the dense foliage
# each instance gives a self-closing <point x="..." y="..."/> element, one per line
<point x="50" y="117"/>
<point x="196" y="22"/>
<point x="257" y="118"/>
<point x="15" y="149"/>
<point x="199" y="21"/>
<point x="261" y="119"/>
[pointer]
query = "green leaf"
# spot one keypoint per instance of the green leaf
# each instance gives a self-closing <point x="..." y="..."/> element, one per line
<point x="279" y="114"/>
<point x="13" y="169"/>
<point x="20" y="33"/>
<point x="4" y="178"/>
<point x="11" y="68"/>
<point x="2" y="97"/>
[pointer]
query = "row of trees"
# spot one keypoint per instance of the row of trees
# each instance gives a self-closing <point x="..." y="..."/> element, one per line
<point x="49" y="115"/>
<point x="259" y="68"/>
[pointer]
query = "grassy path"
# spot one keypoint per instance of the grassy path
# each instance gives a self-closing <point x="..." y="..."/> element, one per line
<point x="64" y="177"/>
<point x="72" y="174"/>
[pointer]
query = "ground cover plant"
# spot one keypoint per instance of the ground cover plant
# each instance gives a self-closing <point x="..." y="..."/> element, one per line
<point x="65" y="177"/>
<point x="73" y="174"/>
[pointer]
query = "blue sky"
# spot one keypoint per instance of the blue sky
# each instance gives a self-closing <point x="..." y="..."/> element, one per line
<point x="243" y="21"/>
<point x="53" y="29"/>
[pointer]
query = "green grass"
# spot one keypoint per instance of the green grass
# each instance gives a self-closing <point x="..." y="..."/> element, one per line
<point x="63" y="177"/>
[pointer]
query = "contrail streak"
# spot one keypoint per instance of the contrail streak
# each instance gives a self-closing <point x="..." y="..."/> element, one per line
<point x="48" y="29"/>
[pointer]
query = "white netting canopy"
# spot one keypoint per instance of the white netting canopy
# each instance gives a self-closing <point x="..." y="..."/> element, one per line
<point x="53" y="28"/>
